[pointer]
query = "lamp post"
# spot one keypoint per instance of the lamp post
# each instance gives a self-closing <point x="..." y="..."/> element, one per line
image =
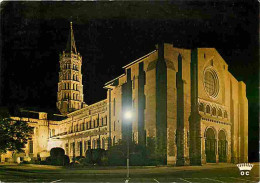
<point x="128" y="117"/>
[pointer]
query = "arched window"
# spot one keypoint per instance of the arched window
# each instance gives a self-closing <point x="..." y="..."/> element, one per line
<point x="76" y="87"/>
<point x="114" y="140"/>
<point x="201" y="107"/>
<point x="103" y="143"/>
<point x="93" y="144"/>
<point x="220" y="112"/>
<point x="73" y="96"/>
<point x="225" y="114"/>
<point x="214" y="111"/>
<point x="94" y="123"/>
<point x="98" y="143"/>
<point x="76" y="96"/>
<point x="207" y="109"/>
<point x="210" y="145"/>
<point x="105" y="122"/>
<point x="222" y="146"/>
<point x="69" y="76"/>
<point x="31" y="147"/>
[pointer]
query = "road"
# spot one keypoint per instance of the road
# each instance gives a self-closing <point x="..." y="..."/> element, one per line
<point x="213" y="173"/>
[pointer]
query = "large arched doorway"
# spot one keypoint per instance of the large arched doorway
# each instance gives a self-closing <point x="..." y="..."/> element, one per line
<point x="222" y="146"/>
<point x="210" y="145"/>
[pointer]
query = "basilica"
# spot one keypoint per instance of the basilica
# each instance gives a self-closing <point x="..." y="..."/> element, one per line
<point x="183" y="103"/>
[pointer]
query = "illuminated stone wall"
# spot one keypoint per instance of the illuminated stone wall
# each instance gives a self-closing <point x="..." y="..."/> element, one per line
<point x="200" y="115"/>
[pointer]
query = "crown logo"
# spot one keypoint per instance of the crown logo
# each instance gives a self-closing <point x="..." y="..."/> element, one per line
<point x="245" y="166"/>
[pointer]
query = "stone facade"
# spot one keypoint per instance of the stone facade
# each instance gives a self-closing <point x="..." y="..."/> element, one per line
<point x="187" y="107"/>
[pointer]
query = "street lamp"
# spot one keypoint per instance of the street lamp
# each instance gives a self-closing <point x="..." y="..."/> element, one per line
<point x="128" y="116"/>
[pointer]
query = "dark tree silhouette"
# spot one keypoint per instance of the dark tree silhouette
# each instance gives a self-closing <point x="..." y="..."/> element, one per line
<point x="13" y="134"/>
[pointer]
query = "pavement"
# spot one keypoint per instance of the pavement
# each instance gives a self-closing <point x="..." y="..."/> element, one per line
<point x="212" y="173"/>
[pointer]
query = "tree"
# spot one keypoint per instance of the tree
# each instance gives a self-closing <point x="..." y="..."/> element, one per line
<point x="117" y="154"/>
<point x="13" y="134"/>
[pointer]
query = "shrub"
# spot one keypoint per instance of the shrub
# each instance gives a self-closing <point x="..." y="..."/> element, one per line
<point x="66" y="160"/>
<point x="104" y="160"/>
<point x="58" y="161"/>
<point x="117" y="154"/>
<point x="78" y="158"/>
<point x="48" y="160"/>
<point x="44" y="162"/>
<point x="57" y="151"/>
<point x="57" y="157"/>
<point x="116" y="158"/>
<point x="35" y="161"/>
<point x="95" y="156"/>
<point x="85" y="162"/>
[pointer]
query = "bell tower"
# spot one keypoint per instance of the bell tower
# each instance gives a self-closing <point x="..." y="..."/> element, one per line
<point x="70" y="88"/>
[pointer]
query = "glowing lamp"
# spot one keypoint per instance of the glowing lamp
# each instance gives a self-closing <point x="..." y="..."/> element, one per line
<point x="128" y="115"/>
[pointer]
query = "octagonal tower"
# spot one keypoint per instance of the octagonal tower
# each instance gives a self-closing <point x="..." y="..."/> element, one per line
<point x="70" y="88"/>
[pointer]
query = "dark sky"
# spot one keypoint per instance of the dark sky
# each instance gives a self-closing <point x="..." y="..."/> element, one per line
<point x="110" y="35"/>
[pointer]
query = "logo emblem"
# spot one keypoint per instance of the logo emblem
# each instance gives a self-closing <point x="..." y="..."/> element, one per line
<point x="245" y="168"/>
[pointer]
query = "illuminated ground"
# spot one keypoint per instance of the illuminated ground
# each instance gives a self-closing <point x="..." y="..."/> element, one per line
<point x="207" y="173"/>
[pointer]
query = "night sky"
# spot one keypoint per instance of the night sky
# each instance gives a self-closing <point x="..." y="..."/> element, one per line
<point x="110" y="35"/>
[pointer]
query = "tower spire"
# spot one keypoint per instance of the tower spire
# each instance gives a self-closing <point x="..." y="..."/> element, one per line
<point x="71" y="45"/>
<point x="70" y="89"/>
